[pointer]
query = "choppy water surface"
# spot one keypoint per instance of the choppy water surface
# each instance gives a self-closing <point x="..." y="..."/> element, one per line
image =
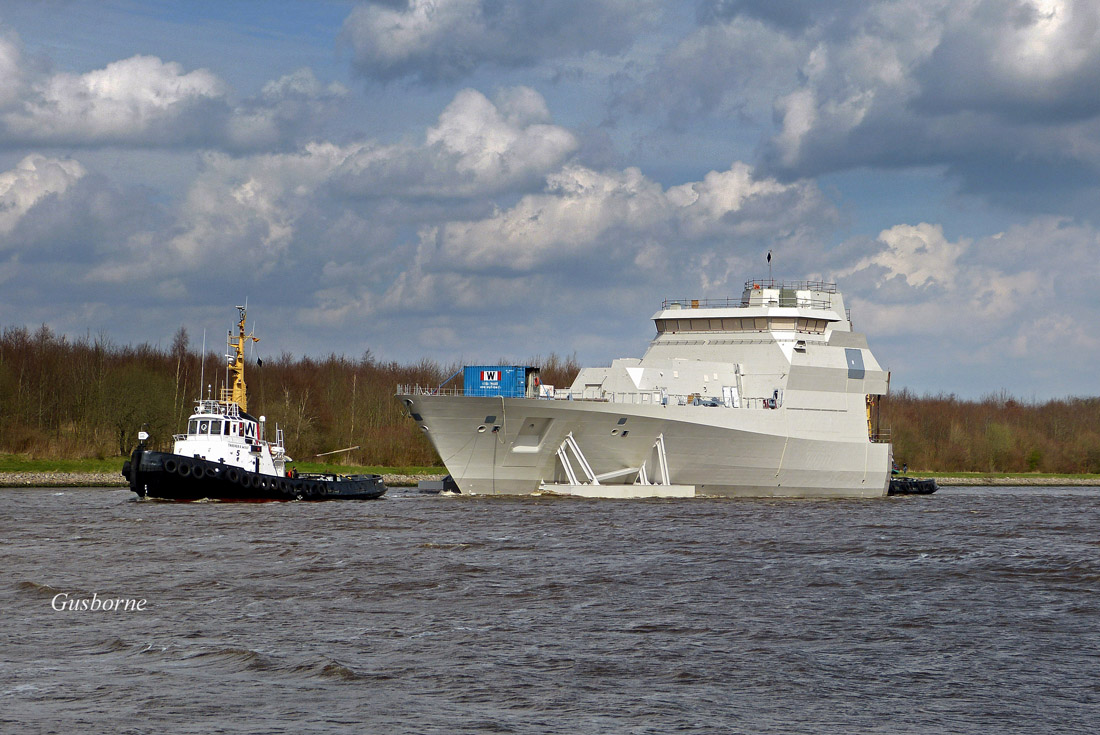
<point x="971" y="611"/>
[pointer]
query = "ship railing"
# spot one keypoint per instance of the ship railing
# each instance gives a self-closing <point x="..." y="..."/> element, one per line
<point x="404" y="389"/>
<point x="654" y="398"/>
<point x="820" y="286"/>
<point x="218" y="408"/>
<point x="799" y="302"/>
<point x="758" y="284"/>
<point x="881" y="436"/>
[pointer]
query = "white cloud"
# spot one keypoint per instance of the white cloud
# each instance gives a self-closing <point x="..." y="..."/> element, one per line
<point x="143" y="101"/>
<point x="295" y="102"/>
<point x="587" y="220"/>
<point x="11" y="70"/>
<point x="920" y="254"/>
<point x="34" y="178"/>
<point x="578" y="209"/>
<point x="477" y="147"/>
<point x="445" y="40"/>
<point x="974" y="315"/>
<point x="510" y="140"/>
<point x="705" y="204"/>
<point x="920" y="282"/>
<point x="126" y="99"/>
<point x="720" y="69"/>
<point x="240" y="215"/>
<point x="1017" y="57"/>
<point x="256" y="210"/>
<point x="980" y="85"/>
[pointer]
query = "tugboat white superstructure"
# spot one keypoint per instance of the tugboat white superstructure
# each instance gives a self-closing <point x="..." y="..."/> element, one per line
<point x="769" y="395"/>
<point x="225" y="454"/>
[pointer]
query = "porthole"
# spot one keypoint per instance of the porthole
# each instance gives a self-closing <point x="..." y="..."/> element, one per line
<point x="424" y="429"/>
<point x="481" y="429"/>
<point x="614" y="432"/>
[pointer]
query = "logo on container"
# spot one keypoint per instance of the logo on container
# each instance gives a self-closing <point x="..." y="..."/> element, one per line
<point x="490" y="376"/>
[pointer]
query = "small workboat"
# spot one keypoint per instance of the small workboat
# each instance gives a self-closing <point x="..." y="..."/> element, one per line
<point x="225" y="454"/>
<point x="912" y="486"/>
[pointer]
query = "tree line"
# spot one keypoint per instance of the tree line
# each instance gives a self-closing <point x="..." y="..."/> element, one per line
<point x="996" y="433"/>
<point x="87" y="397"/>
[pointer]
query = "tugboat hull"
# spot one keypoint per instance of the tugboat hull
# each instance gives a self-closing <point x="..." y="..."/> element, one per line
<point x="174" y="477"/>
<point x="912" y="486"/>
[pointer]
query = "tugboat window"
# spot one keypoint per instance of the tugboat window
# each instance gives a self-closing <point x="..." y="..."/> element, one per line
<point x="193" y="427"/>
<point x="204" y="427"/>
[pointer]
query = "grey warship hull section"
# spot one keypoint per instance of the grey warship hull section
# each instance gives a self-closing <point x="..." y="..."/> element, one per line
<point x="772" y="454"/>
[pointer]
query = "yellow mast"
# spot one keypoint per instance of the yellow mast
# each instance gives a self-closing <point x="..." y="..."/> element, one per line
<point x="238" y="394"/>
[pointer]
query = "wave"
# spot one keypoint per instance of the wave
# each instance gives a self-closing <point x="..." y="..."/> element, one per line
<point x="335" y="671"/>
<point x="235" y="659"/>
<point x="42" y="590"/>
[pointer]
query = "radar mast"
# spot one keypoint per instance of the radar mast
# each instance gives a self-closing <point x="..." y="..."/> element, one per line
<point x="237" y="393"/>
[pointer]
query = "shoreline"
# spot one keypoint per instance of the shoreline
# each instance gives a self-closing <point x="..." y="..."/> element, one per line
<point x="1018" y="480"/>
<point x="115" y="479"/>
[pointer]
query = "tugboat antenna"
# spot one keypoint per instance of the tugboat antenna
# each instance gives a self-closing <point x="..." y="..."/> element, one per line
<point x="202" y="363"/>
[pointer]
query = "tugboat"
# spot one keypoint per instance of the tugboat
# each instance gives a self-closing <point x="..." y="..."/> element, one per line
<point x="912" y="486"/>
<point x="225" y="455"/>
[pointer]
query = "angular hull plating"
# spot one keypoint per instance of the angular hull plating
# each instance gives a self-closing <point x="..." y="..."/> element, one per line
<point x="507" y="446"/>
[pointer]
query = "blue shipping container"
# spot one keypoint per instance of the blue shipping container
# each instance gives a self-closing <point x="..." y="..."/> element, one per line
<point x="509" y="381"/>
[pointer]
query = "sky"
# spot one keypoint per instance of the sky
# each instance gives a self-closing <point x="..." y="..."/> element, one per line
<point x="474" y="181"/>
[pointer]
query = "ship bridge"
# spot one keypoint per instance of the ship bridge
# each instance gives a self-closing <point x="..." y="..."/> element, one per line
<point x="806" y="307"/>
<point x="783" y="344"/>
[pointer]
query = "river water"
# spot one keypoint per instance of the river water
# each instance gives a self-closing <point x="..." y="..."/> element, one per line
<point x="975" y="610"/>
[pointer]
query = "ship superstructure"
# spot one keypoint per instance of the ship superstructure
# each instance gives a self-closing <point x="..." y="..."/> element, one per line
<point x="222" y="430"/>
<point x="771" y="394"/>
